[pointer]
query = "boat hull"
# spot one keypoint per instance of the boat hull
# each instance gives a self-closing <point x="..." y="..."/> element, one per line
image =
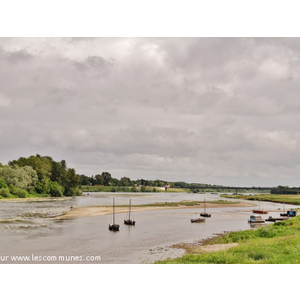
<point x="256" y="222"/>
<point x="205" y="215"/>
<point x="113" y="227"/>
<point x="129" y="222"/>
<point x="255" y="211"/>
<point x="197" y="220"/>
<point x="270" y="219"/>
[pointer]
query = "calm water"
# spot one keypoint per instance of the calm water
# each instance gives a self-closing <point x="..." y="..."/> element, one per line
<point x="27" y="228"/>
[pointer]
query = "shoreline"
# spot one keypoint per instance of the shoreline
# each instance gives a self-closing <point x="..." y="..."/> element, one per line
<point x="93" y="211"/>
<point x="204" y="245"/>
<point x="36" y="199"/>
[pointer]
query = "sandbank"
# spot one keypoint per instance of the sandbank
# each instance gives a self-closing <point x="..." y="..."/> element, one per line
<point x="93" y="211"/>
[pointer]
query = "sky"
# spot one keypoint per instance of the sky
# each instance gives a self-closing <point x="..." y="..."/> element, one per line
<point x="206" y="110"/>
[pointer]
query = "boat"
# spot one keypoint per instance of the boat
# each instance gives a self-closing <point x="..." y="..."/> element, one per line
<point x="289" y="213"/>
<point x="271" y="219"/>
<point x="292" y="213"/>
<point x="198" y="220"/>
<point x="129" y="221"/>
<point x="284" y="214"/>
<point x="205" y="214"/>
<point x="259" y="211"/>
<point x="114" y="226"/>
<point x="256" y="219"/>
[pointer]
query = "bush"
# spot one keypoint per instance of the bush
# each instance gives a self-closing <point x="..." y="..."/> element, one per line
<point x="21" y="193"/>
<point x="56" y="190"/>
<point x="4" y="192"/>
<point x="42" y="187"/>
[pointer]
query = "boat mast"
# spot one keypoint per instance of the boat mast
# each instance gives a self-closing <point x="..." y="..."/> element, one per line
<point x="205" y="205"/>
<point x="129" y="208"/>
<point x="114" y="211"/>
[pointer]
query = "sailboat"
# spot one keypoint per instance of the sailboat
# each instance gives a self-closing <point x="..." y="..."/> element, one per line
<point x="205" y="214"/>
<point x="259" y="211"/>
<point x="284" y="214"/>
<point x="197" y="220"/>
<point x="113" y="226"/>
<point x="129" y="221"/>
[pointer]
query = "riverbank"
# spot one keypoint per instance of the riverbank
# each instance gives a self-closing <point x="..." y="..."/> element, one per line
<point x="34" y="199"/>
<point x="287" y="199"/>
<point x="92" y="211"/>
<point x="277" y="243"/>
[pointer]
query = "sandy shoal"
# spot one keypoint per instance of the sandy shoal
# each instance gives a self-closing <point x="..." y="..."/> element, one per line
<point x="92" y="211"/>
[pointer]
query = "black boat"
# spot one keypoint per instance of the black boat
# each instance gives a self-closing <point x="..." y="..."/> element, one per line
<point x="113" y="226"/>
<point x="197" y="220"/>
<point x="271" y="219"/>
<point x="205" y="214"/>
<point x="129" y="221"/>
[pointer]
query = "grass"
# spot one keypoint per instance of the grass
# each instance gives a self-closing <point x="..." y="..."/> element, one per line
<point x="287" y="199"/>
<point x="34" y="195"/>
<point x="278" y="243"/>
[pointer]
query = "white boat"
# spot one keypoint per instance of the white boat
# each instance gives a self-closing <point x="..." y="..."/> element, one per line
<point x="256" y="219"/>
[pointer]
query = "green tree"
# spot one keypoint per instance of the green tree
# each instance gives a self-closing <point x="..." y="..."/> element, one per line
<point x="106" y="178"/>
<point x="84" y="180"/>
<point x="56" y="190"/>
<point x="99" y="179"/>
<point x="125" y="181"/>
<point x="72" y="183"/>
<point x="2" y="183"/>
<point x="21" y="177"/>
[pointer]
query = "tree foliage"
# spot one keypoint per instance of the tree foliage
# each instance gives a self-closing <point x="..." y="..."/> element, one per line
<point x="47" y="176"/>
<point x="20" y="177"/>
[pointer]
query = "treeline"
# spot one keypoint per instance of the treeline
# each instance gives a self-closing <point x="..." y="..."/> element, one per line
<point x="106" y="179"/>
<point x="42" y="176"/>
<point x="285" y="190"/>
<point x="38" y="175"/>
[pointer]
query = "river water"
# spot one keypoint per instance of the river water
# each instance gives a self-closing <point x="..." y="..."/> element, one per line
<point x="29" y="231"/>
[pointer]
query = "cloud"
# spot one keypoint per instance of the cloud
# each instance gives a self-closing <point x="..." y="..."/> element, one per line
<point x="213" y="110"/>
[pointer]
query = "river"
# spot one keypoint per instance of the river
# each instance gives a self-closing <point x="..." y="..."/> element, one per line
<point x="29" y="231"/>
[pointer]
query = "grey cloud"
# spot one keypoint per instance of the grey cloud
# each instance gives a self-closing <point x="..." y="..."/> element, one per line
<point x="213" y="110"/>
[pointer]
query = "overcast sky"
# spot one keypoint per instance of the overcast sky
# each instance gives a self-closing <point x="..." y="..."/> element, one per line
<point x="209" y="110"/>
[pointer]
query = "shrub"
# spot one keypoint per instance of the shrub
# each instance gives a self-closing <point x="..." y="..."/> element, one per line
<point x="22" y="193"/>
<point x="56" y="190"/>
<point x="4" y="192"/>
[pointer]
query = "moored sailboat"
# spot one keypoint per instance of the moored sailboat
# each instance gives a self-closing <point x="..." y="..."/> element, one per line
<point x="259" y="211"/>
<point x="197" y="220"/>
<point x="284" y="214"/>
<point x="129" y="221"/>
<point x="205" y="214"/>
<point x="113" y="226"/>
